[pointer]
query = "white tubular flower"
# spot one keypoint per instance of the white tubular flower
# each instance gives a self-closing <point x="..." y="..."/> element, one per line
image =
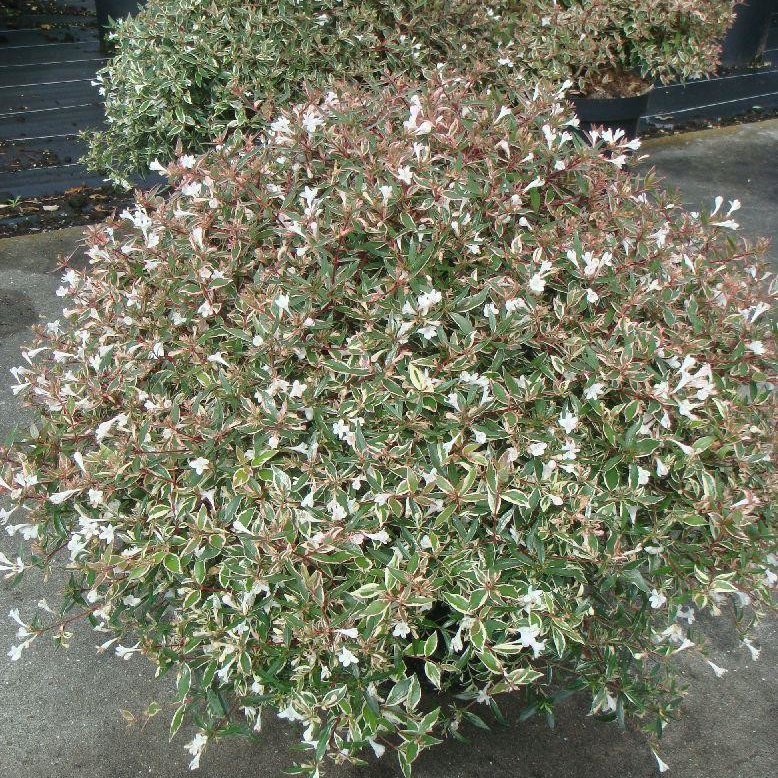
<point x="347" y="658"/>
<point x="378" y="748"/>
<point x="195" y="748"/>
<point x="405" y="174"/>
<point x="218" y="359"/>
<point x="594" y="391"/>
<point x="199" y="465"/>
<point x="59" y="497"/>
<point x="282" y="303"/>
<point x="719" y="671"/>
<point x="757" y="347"/>
<point x="126" y="652"/>
<point x="528" y="639"/>
<point x="536" y="283"/>
<point x="657" y="599"/>
<point x="568" y="422"/>
<point x="663" y="766"/>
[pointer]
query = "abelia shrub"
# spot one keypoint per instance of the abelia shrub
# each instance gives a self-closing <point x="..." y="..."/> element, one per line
<point x="613" y="48"/>
<point x="416" y="390"/>
<point x="188" y="71"/>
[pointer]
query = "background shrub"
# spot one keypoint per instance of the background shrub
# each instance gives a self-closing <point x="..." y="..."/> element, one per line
<point x="609" y="48"/>
<point x="187" y="71"/>
<point x="419" y="388"/>
<point x="184" y="68"/>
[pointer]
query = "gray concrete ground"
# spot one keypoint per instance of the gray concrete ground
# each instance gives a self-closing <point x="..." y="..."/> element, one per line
<point x="60" y="709"/>
<point x="740" y="161"/>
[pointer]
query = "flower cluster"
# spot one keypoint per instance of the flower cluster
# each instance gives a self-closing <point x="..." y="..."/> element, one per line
<point x="422" y="388"/>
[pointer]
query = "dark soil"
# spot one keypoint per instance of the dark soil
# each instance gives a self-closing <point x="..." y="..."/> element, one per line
<point x="27" y="159"/>
<point x="617" y="83"/>
<point x="658" y="127"/>
<point x="15" y="8"/>
<point x="41" y="14"/>
<point x="79" y="205"/>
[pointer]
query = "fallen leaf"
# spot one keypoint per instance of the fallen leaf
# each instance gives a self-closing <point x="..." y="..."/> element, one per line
<point x="50" y="207"/>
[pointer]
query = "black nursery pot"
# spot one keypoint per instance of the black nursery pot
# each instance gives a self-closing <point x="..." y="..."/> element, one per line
<point x="114" y="9"/>
<point x="617" y="113"/>
<point x="747" y="37"/>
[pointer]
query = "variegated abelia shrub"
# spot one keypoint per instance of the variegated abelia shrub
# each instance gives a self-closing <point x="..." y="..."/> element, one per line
<point x="189" y="71"/>
<point x="614" y="48"/>
<point x="416" y="389"/>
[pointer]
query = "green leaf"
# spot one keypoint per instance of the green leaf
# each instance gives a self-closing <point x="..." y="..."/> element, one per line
<point x="184" y="681"/>
<point x="646" y="446"/>
<point x="199" y="571"/>
<point x="343" y="367"/>
<point x="723" y="583"/>
<point x="523" y="676"/>
<point x="635" y="577"/>
<point x="414" y="692"/>
<point x="432" y="671"/>
<point x="175" y="722"/>
<point x="209" y="673"/>
<point x="431" y="644"/>
<point x="693" y="520"/>
<point x="478" y="634"/>
<point x="611" y="478"/>
<point x="398" y="692"/>
<point x="172" y="563"/>
<point x="367" y="591"/>
<point x="490" y="661"/>
<point x="515" y="497"/>
<point x="157" y="512"/>
<point x="457" y="602"/>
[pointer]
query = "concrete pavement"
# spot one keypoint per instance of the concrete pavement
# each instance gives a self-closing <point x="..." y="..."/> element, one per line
<point x="739" y="161"/>
<point x="60" y="712"/>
